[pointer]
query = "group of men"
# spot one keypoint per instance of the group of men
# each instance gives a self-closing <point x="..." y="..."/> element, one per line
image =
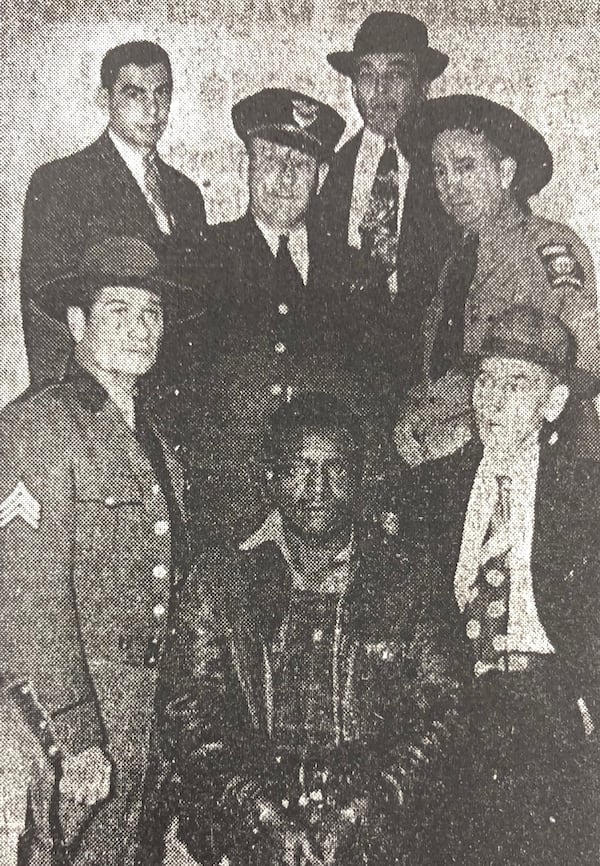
<point x="307" y="653"/>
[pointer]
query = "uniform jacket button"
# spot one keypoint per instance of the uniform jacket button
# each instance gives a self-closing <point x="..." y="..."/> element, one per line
<point x="161" y="527"/>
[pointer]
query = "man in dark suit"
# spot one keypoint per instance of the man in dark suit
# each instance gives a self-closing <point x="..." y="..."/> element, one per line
<point x="116" y="186"/>
<point x="512" y="519"/>
<point x="377" y="202"/>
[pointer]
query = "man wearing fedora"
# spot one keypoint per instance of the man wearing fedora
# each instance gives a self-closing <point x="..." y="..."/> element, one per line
<point x="379" y="203"/>
<point x="118" y="185"/>
<point x="512" y="519"/>
<point x="488" y="162"/>
<point x="94" y="544"/>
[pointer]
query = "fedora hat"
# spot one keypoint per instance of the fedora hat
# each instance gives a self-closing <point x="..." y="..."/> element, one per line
<point x="114" y="261"/>
<point x="511" y="134"/>
<point x="290" y="118"/>
<point x="389" y="33"/>
<point x="529" y="334"/>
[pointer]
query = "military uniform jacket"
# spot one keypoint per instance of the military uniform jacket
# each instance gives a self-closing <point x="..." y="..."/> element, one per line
<point x="432" y="503"/>
<point x="80" y="200"/>
<point x="397" y="693"/>
<point x="85" y="564"/>
<point x="527" y="260"/>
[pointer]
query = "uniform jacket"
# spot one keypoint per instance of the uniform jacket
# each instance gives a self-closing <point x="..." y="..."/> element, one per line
<point x="425" y="240"/>
<point x="432" y="503"/>
<point x="81" y="588"/>
<point x="81" y="199"/>
<point x="518" y="265"/>
<point x="398" y="695"/>
<point x="240" y="358"/>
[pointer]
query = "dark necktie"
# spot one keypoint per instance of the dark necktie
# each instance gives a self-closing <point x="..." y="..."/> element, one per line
<point x="289" y="280"/>
<point x="456" y="282"/>
<point x="487" y="612"/>
<point x="379" y="225"/>
<point x="155" y="194"/>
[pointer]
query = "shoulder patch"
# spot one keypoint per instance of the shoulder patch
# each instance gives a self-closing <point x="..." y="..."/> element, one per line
<point x="562" y="267"/>
<point x="20" y="503"/>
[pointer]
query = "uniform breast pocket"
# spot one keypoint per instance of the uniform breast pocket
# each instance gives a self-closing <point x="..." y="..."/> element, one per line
<point x="109" y="511"/>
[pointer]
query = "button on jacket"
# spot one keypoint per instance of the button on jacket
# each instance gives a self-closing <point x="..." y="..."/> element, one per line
<point x="87" y="586"/>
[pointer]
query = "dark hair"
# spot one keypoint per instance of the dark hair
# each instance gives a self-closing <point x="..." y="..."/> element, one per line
<point x="139" y="53"/>
<point x="311" y="411"/>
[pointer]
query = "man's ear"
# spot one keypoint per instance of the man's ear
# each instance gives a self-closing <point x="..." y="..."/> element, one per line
<point x="76" y="321"/>
<point x="102" y="99"/>
<point x="556" y="402"/>
<point x="508" y="167"/>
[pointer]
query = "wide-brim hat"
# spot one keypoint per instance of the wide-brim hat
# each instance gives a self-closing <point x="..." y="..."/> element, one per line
<point x="391" y="33"/>
<point x="290" y="118"/>
<point x="114" y="261"/>
<point x="530" y="334"/>
<point x="511" y="134"/>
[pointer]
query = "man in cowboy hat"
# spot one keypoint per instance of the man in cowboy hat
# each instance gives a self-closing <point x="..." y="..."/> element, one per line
<point x="117" y="185"/>
<point x="270" y="314"/>
<point x="487" y="163"/>
<point x="310" y="703"/>
<point x="512" y="519"/>
<point x="379" y="203"/>
<point x="93" y="544"/>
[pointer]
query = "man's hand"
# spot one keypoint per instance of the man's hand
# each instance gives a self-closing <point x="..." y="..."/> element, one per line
<point x="86" y="777"/>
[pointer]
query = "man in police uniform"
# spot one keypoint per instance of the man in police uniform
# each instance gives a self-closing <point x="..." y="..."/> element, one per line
<point x="271" y="314"/>
<point x="118" y="185"/>
<point x="93" y="543"/>
<point x="512" y="518"/>
<point x="487" y="163"/>
<point x="378" y="202"/>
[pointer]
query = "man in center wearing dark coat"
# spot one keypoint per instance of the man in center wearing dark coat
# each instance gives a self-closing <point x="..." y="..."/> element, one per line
<point x="311" y="704"/>
<point x="381" y="205"/>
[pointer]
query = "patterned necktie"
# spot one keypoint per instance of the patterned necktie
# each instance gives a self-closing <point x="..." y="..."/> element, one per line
<point x="456" y="282"/>
<point x="487" y="611"/>
<point x="155" y="195"/>
<point x="379" y="225"/>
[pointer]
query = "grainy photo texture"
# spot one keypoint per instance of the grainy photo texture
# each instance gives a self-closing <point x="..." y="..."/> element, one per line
<point x="299" y="433"/>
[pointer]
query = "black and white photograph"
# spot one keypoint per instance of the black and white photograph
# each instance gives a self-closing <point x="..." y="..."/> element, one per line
<point x="299" y="433"/>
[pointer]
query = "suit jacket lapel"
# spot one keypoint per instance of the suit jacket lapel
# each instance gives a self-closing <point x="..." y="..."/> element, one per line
<point x="125" y="185"/>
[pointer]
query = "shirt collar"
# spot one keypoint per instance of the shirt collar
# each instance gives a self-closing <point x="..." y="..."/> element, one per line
<point x="272" y="531"/>
<point x="515" y="466"/>
<point x="133" y="158"/>
<point x="376" y="142"/>
<point x="271" y="235"/>
<point x="88" y="390"/>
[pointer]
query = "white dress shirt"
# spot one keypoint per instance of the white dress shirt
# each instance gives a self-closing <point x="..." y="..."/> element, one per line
<point x="370" y="152"/>
<point x="525" y="632"/>
<point x="297" y="244"/>
<point x="134" y="160"/>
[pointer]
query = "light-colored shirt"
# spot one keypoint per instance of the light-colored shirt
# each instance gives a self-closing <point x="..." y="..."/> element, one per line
<point x="525" y="632"/>
<point x="135" y="162"/>
<point x="272" y="530"/>
<point x="297" y="244"/>
<point x="370" y="152"/>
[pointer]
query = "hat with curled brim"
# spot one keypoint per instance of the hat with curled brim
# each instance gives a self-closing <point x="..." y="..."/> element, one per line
<point x="529" y="334"/>
<point x="290" y="118"/>
<point x="114" y="261"/>
<point x="510" y="133"/>
<point x="391" y="33"/>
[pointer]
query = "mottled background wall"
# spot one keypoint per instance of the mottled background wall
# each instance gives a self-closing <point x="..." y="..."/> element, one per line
<point x="541" y="57"/>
